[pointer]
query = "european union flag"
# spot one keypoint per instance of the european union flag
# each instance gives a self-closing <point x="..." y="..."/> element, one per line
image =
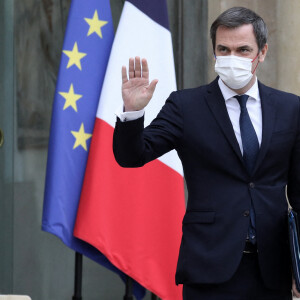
<point x="88" y="40"/>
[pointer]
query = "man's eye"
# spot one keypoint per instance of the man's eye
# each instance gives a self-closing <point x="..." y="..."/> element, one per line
<point x="244" y="50"/>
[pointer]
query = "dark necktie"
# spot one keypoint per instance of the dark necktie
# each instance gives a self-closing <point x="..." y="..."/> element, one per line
<point x="250" y="151"/>
<point x="248" y="135"/>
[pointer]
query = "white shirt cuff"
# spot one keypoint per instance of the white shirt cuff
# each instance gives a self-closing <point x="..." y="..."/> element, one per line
<point x="128" y="115"/>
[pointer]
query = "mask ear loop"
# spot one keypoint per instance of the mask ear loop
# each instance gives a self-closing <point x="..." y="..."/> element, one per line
<point x="256" y="64"/>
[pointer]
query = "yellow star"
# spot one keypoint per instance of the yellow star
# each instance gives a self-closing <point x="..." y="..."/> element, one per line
<point x="74" y="57"/>
<point x="95" y="24"/>
<point x="81" y="137"/>
<point x="71" y="98"/>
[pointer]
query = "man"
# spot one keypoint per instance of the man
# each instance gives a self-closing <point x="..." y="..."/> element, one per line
<point x="239" y="143"/>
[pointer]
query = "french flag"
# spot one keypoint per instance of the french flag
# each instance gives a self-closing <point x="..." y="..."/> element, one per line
<point x="133" y="216"/>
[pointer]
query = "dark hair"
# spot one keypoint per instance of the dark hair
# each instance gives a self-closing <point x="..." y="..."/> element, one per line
<point x="238" y="16"/>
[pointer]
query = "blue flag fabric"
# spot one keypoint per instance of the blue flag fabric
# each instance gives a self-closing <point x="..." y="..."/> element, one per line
<point x="88" y="40"/>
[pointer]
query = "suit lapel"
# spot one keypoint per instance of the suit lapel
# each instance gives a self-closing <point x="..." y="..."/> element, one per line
<point x="216" y="103"/>
<point x="268" y="118"/>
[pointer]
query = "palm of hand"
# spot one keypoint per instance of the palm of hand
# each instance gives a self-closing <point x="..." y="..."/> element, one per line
<point x="135" y="93"/>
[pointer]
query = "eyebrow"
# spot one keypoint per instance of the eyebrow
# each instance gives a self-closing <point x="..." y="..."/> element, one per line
<point x="239" y="48"/>
<point x="222" y="46"/>
<point x="245" y="47"/>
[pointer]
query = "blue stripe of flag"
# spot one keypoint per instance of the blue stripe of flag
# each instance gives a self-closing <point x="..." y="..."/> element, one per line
<point x="155" y="9"/>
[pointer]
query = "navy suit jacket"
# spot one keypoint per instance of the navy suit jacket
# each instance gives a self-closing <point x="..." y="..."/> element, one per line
<point x="196" y="123"/>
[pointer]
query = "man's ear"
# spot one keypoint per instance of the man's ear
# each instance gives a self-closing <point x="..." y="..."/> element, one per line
<point x="263" y="54"/>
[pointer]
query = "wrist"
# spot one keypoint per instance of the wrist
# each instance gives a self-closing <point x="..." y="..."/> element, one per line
<point x="131" y="109"/>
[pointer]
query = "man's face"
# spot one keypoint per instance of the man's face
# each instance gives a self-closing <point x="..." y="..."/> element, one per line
<point x="239" y="41"/>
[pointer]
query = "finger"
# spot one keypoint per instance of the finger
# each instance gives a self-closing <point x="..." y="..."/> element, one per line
<point x="295" y="294"/>
<point x="145" y="68"/>
<point x="152" y="86"/>
<point x="124" y="75"/>
<point x="295" y="290"/>
<point x="137" y="71"/>
<point x="131" y="68"/>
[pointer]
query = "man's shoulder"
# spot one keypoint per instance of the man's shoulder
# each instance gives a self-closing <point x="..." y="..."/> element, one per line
<point x="192" y="91"/>
<point x="196" y="92"/>
<point x="282" y="95"/>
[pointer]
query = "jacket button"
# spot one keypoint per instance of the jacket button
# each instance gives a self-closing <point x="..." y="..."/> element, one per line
<point x="252" y="185"/>
<point x="246" y="213"/>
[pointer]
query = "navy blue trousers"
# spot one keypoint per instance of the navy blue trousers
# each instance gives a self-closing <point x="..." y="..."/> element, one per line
<point x="246" y="284"/>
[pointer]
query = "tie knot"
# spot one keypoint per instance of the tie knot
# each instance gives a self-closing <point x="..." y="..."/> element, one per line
<point x="242" y="99"/>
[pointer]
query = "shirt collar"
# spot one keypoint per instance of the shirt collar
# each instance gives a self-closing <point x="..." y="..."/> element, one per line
<point x="228" y="93"/>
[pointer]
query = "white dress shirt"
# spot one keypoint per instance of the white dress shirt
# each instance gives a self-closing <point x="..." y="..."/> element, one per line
<point x="233" y="108"/>
<point x="128" y="115"/>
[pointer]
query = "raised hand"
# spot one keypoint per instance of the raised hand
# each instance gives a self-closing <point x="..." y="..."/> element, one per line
<point x="136" y="91"/>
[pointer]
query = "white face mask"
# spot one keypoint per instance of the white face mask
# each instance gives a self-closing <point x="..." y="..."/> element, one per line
<point x="235" y="71"/>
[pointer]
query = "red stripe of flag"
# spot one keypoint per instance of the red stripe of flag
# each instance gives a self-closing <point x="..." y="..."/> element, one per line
<point x="133" y="216"/>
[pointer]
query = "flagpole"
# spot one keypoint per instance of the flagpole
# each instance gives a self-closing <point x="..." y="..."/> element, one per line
<point x="78" y="277"/>
<point x="129" y="289"/>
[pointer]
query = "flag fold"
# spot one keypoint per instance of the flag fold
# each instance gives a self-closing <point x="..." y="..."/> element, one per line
<point x="86" y="49"/>
<point x="133" y="216"/>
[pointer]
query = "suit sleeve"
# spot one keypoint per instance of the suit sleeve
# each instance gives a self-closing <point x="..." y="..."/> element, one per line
<point x="134" y="145"/>
<point x="293" y="188"/>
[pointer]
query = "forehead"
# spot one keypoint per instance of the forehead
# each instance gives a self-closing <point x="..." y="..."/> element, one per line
<point x="242" y="35"/>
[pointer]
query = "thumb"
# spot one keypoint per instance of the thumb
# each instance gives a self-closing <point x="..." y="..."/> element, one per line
<point x="152" y="86"/>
